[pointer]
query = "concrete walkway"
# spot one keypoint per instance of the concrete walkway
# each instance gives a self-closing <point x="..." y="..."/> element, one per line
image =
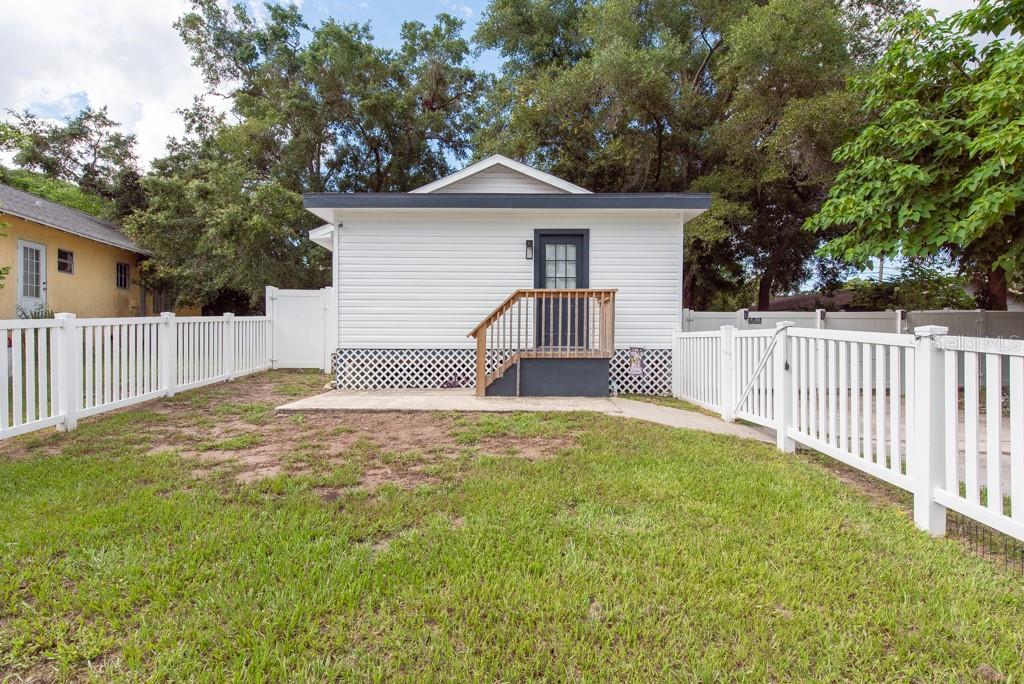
<point x="690" y="420"/>
<point x="466" y="400"/>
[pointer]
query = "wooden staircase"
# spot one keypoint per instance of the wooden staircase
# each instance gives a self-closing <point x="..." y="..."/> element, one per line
<point x="544" y="324"/>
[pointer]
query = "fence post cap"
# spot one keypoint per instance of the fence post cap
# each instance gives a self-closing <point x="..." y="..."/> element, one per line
<point x="930" y="330"/>
<point x="229" y="315"/>
<point x="65" y="315"/>
<point x="167" y="314"/>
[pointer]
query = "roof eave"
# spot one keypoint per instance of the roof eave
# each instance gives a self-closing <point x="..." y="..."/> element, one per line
<point x="513" y="201"/>
<point x="33" y="219"/>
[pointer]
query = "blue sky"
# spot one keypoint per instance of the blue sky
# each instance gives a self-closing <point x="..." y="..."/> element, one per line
<point x="386" y="18"/>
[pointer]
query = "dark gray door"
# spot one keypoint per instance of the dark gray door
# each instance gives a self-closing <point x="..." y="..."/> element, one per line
<point x="562" y="261"/>
<point x="562" y="264"/>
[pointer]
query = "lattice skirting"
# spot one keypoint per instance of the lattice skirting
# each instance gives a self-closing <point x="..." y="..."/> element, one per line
<point x="371" y="369"/>
<point x="655" y="377"/>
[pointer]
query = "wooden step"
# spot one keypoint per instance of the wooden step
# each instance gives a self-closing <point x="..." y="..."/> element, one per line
<point x="500" y="370"/>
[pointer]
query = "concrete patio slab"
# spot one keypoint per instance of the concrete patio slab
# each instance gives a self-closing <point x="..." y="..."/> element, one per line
<point x="466" y="400"/>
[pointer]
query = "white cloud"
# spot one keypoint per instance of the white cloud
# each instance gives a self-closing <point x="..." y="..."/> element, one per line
<point x="460" y="8"/>
<point x="125" y="54"/>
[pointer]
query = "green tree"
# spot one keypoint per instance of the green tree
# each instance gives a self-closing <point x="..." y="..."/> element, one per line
<point x="215" y="225"/>
<point x="939" y="169"/>
<point x="740" y="99"/>
<point x="769" y="155"/>
<point x="313" y="108"/>
<point x="88" y="150"/>
<point x="323" y="108"/>
<point x="917" y="286"/>
<point x="59" y="191"/>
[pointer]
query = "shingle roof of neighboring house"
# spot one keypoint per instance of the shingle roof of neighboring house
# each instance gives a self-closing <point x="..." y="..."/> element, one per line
<point x="34" y="208"/>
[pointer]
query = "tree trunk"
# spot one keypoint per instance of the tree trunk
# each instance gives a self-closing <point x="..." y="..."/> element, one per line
<point x="688" y="294"/>
<point x="764" y="291"/>
<point x="996" y="290"/>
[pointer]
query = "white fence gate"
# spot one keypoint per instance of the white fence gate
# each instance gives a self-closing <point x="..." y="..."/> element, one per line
<point x="304" y="325"/>
<point x="940" y="416"/>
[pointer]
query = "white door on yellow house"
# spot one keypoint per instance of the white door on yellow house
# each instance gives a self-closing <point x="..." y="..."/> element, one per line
<point x="31" y="275"/>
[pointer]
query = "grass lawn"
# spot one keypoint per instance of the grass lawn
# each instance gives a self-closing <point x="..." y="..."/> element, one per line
<point x="207" y="538"/>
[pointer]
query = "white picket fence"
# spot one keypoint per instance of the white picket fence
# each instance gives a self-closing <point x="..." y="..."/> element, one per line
<point x="59" y="370"/>
<point x="937" y="415"/>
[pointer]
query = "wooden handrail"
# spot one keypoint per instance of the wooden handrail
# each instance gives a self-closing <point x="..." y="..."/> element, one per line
<point x="523" y="291"/>
<point x="545" y="323"/>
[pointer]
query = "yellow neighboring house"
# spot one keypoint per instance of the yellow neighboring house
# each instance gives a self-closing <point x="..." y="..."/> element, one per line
<point x="64" y="260"/>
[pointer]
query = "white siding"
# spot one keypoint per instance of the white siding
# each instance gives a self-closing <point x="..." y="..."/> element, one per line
<point x="425" y="283"/>
<point x="499" y="179"/>
<point x="644" y="261"/>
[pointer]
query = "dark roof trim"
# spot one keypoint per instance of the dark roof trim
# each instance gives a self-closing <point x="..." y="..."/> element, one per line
<point x="404" y="200"/>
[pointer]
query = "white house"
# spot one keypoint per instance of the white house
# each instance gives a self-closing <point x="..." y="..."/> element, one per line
<point x="555" y="281"/>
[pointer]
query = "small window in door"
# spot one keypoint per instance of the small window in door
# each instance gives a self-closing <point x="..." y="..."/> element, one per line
<point x="560" y="265"/>
<point x="32" y="272"/>
<point x="123" y="275"/>
<point x="65" y="261"/>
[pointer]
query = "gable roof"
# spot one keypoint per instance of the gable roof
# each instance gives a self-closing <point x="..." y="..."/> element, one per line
<point x="528" y="172"/>
<point x="34" y="208"/>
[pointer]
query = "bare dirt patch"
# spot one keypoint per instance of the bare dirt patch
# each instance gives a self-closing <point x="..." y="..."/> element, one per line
<point x="987" y="673"/>
<point x="40" y="673"/>
<point x="376" y="477"/>
<point x="880" y="493"/>
<point x="390" y="448"/>
<point x="230" y="430"/>
<point x="329" y="494"/>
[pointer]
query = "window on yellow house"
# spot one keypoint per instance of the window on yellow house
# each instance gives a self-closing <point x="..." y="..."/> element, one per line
<point x="123" y="274"/>
<point x="65" y="261"/>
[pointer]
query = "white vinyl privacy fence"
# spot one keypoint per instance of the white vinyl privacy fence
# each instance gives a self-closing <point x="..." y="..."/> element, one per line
<point x="305" y="327"/>
<point x="971" y="323"/>
<point x="59" y="370"/>
<point x="937" y="415"/>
